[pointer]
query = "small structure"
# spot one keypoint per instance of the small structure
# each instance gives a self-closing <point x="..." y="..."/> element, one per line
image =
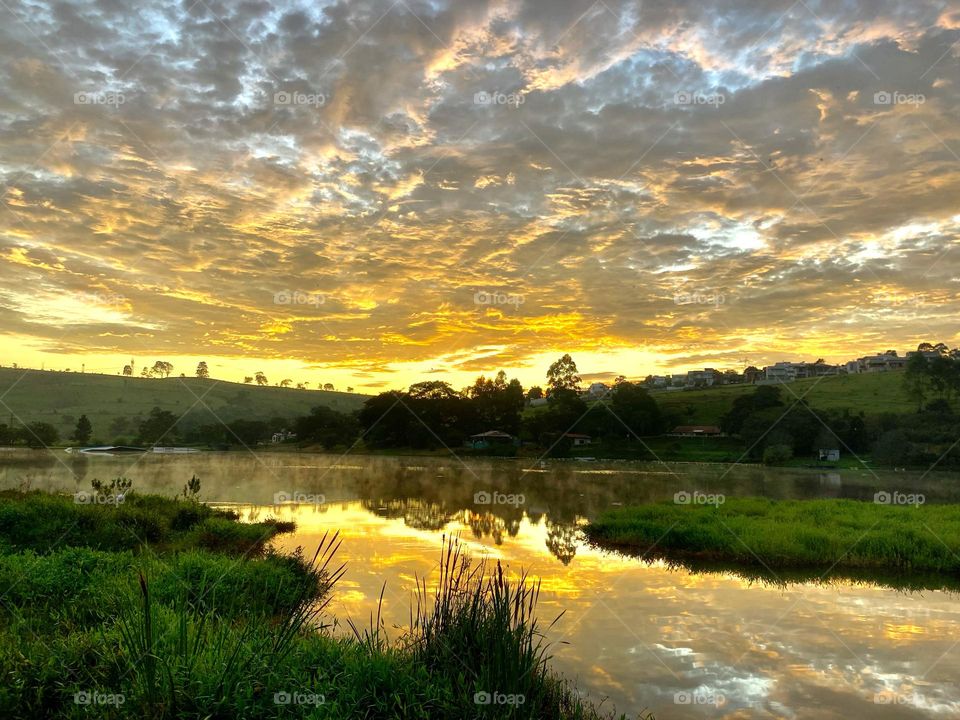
<point x="829" y="454"/>
<point x="283" y="436"/>
<point x="697" y="431"/>
<point x="492" y="438"/>
<point x="578" y="439"/>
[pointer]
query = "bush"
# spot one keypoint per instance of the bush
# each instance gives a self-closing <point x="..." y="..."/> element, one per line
<point x="776" y="454"/>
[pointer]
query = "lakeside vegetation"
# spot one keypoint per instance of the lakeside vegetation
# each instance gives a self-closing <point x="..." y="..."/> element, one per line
<point x="900" y="419"/>
<point x="132" y="606"/>
<point x="824" y="535"/>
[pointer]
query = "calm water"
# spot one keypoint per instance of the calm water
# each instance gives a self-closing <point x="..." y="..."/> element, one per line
<point x="638" y="636"/>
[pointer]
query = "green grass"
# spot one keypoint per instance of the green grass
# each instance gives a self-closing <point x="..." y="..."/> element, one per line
<point x="60" y="398"/>
<point x="872" y="393"/>
<point x="813" y="534"/>
<point x="185" y="628"/>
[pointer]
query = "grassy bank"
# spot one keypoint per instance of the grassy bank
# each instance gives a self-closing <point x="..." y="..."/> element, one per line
<point x="872" y="393"/>
<point x="158" y="608"/>
<point x="790" y="534"/>
<point x="114" y="403"/>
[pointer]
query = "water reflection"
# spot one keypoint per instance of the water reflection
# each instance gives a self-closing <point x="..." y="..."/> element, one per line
<point x="644" y="635"/>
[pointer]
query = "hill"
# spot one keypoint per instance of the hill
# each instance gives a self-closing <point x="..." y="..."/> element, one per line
<point x="873" y="393"/>
<point x="115" y="404"/>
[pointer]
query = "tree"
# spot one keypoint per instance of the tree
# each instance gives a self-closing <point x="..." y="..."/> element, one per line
<point x="535" y="393"/>
<point x="634" y="411"/>
<point x="128" y="370"/>
<point x="83" y="431"/>
<point x="285" y="382"/>
<point x="327" y="427"/>
<point x="247" y="432"/>
<point x="40" y="434"/>
<point x="563" y="375"/>
<point x="145" y="372"/>
<point x="328" y="387"/>
<point x="162" y="368"/>
<point x="261" y="378"/>
<point x="247" y="380"/>
<point x="159" y="425"/>
<point x="916" y="377"/>
<point x="349" y="389"/>
<point x="202" y="371"/>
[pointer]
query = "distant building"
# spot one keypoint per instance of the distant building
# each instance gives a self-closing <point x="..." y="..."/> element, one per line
<point x="829" y="455"/>
<point x="283" y="436"/>
<point x="578" y="439"/>
<point x="491" y="438"/>
<point x="702" y="378"/>
<point x="598" y="389"/>
<point x="697" y="431"/>
<point x="752" y="374"/>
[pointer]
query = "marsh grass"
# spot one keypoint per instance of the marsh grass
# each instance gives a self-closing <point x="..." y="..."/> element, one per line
<point x="832" y="535"/>
<point x="180" y="631"/>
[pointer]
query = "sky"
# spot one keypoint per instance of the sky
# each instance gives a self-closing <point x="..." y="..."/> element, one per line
<point x="376" y="193"/>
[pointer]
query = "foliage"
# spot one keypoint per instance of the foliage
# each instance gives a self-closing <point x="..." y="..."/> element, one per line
<point x="84" y="430"/>
<point x="791" y="533"/>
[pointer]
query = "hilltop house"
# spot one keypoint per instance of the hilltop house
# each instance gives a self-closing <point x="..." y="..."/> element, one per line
<point x="578" y="439"/>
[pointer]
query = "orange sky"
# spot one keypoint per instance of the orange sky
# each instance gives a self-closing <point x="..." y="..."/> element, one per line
<point x="372" y="194"/>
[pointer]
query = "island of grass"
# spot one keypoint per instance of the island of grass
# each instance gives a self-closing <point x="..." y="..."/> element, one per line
<point x="150" y="607"/>
<point x="900" y="545"/>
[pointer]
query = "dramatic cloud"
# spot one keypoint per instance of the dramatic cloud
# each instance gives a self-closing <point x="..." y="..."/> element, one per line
<point x="403" y="188"/>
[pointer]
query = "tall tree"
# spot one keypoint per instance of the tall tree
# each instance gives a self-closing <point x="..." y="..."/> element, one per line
<point x="202" y="370"/>
<point x="84" y="430"/>
<point x="563" y="375"/>
<point x="261" y="378"/>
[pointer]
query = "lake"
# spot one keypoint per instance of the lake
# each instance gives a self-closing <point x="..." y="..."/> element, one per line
<point x="635" y="635"/>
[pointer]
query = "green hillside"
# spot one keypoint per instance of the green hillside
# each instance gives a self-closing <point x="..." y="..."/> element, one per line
<point x="873" y="393"/>
<point x="115" y="404"/>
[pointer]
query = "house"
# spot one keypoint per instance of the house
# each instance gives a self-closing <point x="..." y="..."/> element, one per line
<point x="702" y="378"/>
<point x="829" y="454"/>
<point x="697" y="431"/>
<point x="598" y="389"/>
<point x="283" y="436"/>
<point x="578" y="439"/>
<point x="882" y="363"/>
<point x="491" y="438"/>
<point x="538" y="402"/>
<point x="781" y="372"/>
<point x="657" y="381"/>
